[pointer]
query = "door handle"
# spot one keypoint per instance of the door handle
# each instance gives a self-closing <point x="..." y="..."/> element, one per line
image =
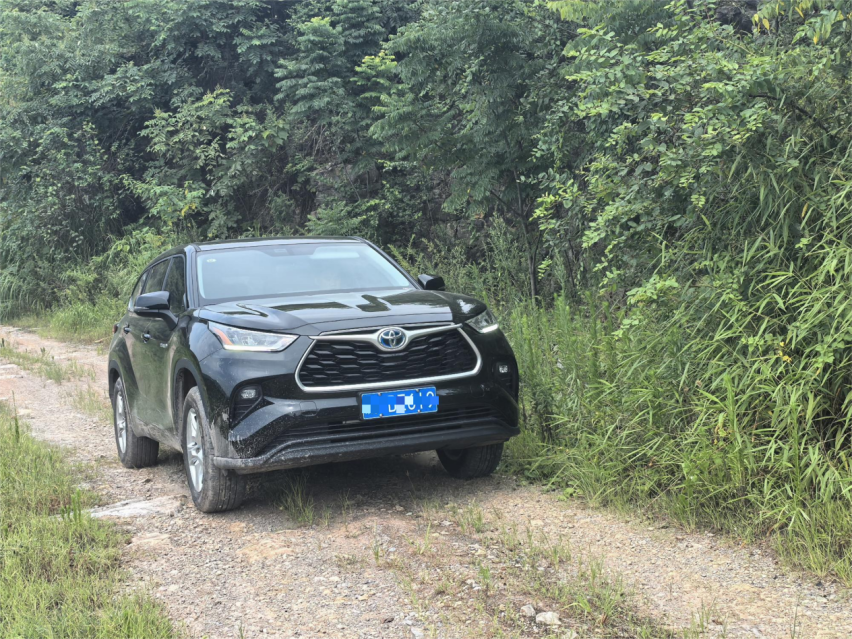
<point x="146" y="337"/>
<point x="126" y="329"/>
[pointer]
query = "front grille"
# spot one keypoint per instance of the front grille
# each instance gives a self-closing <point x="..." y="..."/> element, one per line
<point x="348" y="363"/>
<point x="342" y="431"/>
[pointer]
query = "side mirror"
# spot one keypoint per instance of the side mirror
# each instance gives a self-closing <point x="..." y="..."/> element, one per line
<point x="152" y="303"/>
<point x="431" y="282"/>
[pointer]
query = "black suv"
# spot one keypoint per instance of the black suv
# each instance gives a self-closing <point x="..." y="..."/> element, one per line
<point x="263" y="354"/>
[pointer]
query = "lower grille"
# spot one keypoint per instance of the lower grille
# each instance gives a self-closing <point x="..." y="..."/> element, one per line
<point x="352" y="363"/>
<point x="342" y="432"/>
<point x="242" y="407"/>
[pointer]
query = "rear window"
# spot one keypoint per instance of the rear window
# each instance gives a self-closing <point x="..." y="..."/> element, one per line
<point x="291" y="269"/>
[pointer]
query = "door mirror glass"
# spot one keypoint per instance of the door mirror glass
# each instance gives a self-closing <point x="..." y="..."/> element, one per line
<point x="431" y="282"/>
<point x="152" y="303"/>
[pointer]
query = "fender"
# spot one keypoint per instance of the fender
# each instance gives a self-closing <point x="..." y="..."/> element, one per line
<point x="183" y="367"/>
<point x="131" y="387"/>
<point x="113" y="367"/>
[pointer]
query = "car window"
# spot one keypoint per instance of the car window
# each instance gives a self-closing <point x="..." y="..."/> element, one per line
<point x="136" y="290"/>
<point x="292" y="269"/>
<point x="156" y="276"/>
<point x="176" y="285"/>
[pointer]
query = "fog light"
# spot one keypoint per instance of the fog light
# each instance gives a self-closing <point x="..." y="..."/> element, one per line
<point x="249" y="393"/>
<point x="506" y="375"/>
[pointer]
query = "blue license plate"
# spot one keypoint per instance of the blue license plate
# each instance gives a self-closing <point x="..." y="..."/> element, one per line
<point x="394" y="403"/>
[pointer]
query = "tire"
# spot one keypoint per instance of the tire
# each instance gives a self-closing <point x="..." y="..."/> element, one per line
<point x="133" y="451"/>
<point x="213" y="490"/>
<point x="470" y="463"/>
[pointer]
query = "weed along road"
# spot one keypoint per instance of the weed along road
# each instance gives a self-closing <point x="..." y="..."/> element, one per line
<point x="395" y="548"/>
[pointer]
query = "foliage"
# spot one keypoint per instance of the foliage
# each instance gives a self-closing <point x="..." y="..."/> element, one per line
<point x="720" y="195"/>
<point x="640" y="417"/>
<point x="716" y="201"/>
<point x="477" y="78"/>
<point x="218" y="119"/>
<point x="202" y="119"/>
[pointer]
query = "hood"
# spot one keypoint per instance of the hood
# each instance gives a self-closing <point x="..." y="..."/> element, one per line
<point x="319" y="312"/>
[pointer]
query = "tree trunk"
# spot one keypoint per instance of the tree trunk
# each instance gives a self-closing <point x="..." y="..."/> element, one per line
<point x="533" y="276"/>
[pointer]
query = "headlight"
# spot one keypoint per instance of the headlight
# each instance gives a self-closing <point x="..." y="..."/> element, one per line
<point x="484" y="322"/>
<point x="239" y="339"/>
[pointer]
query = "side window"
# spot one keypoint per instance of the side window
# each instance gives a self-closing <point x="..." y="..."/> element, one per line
<point x="156" y="276"/>
<point x="136" y="291"/>
<point x="176" y="285"/>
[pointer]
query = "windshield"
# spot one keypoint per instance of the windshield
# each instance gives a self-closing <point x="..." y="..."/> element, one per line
<point x="290" y="269"/>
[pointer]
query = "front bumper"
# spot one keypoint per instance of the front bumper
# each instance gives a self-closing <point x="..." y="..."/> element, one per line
<point x="361" y="443"/>
<point x="293" y="428"/>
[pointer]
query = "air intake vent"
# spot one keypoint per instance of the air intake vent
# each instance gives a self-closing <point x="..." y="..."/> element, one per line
<point x="326" y="432"/>
<point x="246" y="400"/>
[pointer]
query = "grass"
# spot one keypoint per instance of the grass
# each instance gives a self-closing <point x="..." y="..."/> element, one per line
<point x="705" y="408"/>
<point x="292" y="495"/>
<point x="78" y="321"/>
<point x="93" y="402"/>
<point x="470" y="519"/>
<point x="589" y="595"/>
<point x="60" y="574"/>
<point x="640" y="423"/>
<point x="44" y="364"/>
<point x="89" y="400"/>
<point x="521" y="564"/>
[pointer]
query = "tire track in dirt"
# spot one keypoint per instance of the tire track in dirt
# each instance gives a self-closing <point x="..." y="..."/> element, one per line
<point x="257" y="573"/>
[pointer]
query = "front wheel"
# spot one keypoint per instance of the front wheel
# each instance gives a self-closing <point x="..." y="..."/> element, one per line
<point x="469" y="463"/>
<point x="213" y="490"/>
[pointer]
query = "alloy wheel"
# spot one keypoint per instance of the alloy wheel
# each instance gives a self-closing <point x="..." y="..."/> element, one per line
<point x="195" y="451"/>
<point x="121" y="422"/>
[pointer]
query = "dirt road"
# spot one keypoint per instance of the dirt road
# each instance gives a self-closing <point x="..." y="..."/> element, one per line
<point x="395" y="548"/>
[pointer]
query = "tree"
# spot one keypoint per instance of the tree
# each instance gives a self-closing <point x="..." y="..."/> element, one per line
<point x="475" y="78"/>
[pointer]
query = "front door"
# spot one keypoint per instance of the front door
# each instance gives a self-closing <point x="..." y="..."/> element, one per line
<point x="160" y="333"/>
<point x="131" y="328"/>
<point x="147" y="361"/>
<point x="157" y="337"/>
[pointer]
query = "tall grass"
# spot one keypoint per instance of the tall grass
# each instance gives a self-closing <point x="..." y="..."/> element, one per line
<point x="699" y="402"/>
<point x="639" y="418"/>
<point x="59" y="574"/>
<point x="77" y="320"/>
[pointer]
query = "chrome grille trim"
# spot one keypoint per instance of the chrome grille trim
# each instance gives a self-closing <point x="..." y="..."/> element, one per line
<point x="371" y="338"/>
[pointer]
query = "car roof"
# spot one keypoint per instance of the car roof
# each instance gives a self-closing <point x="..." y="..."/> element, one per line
<point x="250" y="241"/>
<point x="265" y="241"/>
